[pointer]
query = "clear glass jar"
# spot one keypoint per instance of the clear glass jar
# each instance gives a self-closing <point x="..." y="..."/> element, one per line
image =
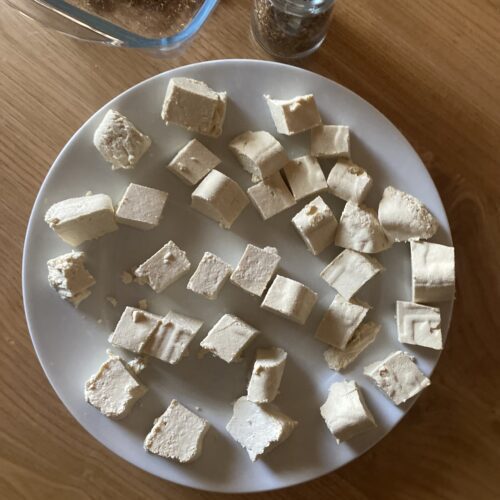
<point x="290" y="29"/>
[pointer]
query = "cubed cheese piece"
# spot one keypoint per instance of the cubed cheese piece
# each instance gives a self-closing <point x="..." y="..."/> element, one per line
<point x="76" y="220"/>
<point x="419" y="325"/>
<point x="316" y="225"/>
<point x="338" y="359"/>
<point x="330" y="141"/>
<point x="178" y="434"/>
<point x="266" y="375"/>
<point x="193" y="162"/>
<point x="292" y="116"/>
<point x="359" y="229"/>
<point x="195" y="106"/>
<point x="114" y="389"/>
<point x="210" y="276"/>
<point x="349" y="271"/>
<point x="259" y="153"/>
<point x="349" y="181"/>
<point x="290" y="299"/>
<point x="255" y="269"/>
<point x="340" y="321"/>
<point x="134" y="329"/>
<point x="259" y="428"/>
<point x="305" y="177"/>
<point x="70" y="279"/>
<point x="271" y="196"/>
<point x="228" y="337"/>
<point x="163" y="268"/>
<point x="433" y="272"/>
<point x="345" y="411"/>
<point x="219" y="198"/>
<point x="141" y="207"/>
<point x="405" y="217"/>
<point x="119" y="141"/>
<point x="398" y="376"/>
<point x="170" y="341"/>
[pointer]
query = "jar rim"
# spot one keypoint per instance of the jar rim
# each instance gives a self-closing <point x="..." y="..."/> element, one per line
<point x="304" y="6"/>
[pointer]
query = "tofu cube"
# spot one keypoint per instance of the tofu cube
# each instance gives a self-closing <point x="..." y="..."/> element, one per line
<point x="419" y="325"/>
<point x="255" y="269"/>
<point x="141" y="207"/>
<point x="345" y="411"/>
<point x="271" y="196"/>
<point x="290" y="299"/>
<point x="193" y="162"/>
<point x="316" y="224"/>
<point x="259" y="153"/>
<point x="433" y="272"/>
<point x="330" y="141"/>
<point x="163" y="268"/>
<point x="177" y="434"/>
<point x="119" y="141"/>
<point x="228" y="338"/>
<point x="398" y="376"/>
<point x="114" y="389"/>
<point x="295" y="115"/>
<point x="219" y="198"/>
<point x="340" y="321"/>
<point x="195" y="106"/>
<point x="305" y="177"/>
<point x="349" y="181"/>
<point x="259" y="428"/>
<point x="266" y="375"/>
<point x="210" y="276"/>
<point x="76" y="220"/>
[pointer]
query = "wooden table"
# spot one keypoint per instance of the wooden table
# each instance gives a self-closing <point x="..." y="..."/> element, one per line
<point x="433" y="68"/>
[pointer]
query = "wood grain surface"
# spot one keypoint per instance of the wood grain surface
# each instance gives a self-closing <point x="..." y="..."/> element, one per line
<point x="433" y="68"/>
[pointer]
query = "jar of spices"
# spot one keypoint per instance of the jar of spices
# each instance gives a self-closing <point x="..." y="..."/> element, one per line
<point x="291" y="28"/>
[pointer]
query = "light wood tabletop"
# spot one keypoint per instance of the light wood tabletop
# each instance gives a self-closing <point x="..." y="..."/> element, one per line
<point x="433" y="68"/>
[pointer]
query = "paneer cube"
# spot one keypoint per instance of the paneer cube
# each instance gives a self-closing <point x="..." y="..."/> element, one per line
<point x="210" y="276"/>
<point x="349" y="181"/>
<point x="419" y="325"/>
<point x="266" y="375"/>
<point x="330" y="141"/>
<point x="305" y="177"/>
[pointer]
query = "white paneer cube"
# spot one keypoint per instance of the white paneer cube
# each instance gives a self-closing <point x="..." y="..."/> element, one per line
<point x="305" y="177"/>
<point x="271" y="196"/>
<point x="170" y="341"/>
<point x="259" y="153"/>
<point x="163" y="268"/>
<point x="259" y="428"/>
<point x="141" y="207"/>
<point x="119" y="141"/>
<point x="360" y="230"/>
<point x="404" y="217"/>
<point x="349" y="181"/>
<point x="219" y="198"/>
<point x="340" y="321"/>
<point x="177" y="434"/>
<point x="76" y="220"/>
<point x="338" y="359"/>
<point x="419" y="325"/>
<point x="290" y="299"/>
<point x="228" y="338"/>
<point x="210" y="276"/>
<point x="114" y="389"/>
<point x="330" y="141"/>
<point x="255" y="269"/>
<point x="195" y="106"/>
<point x="433" y="272"/>
<point x="316" y="224"/>
<point x="349" y="271"/>
<point x="266" y="375"/>
<point x="69" y="277"/>
<point x="398" y="376"/>
<point x="295" y="115"/>
<point x="345" y="411"/>
<point x="193" y="162"/>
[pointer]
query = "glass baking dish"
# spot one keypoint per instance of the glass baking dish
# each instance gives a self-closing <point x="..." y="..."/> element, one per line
<point x="158" y="25"/>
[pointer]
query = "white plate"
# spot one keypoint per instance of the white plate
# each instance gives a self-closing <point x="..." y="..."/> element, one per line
<point x="71" y="344"/>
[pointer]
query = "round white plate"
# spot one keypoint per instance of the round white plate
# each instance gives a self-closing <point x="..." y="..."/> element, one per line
<point x="71" y="343"/>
